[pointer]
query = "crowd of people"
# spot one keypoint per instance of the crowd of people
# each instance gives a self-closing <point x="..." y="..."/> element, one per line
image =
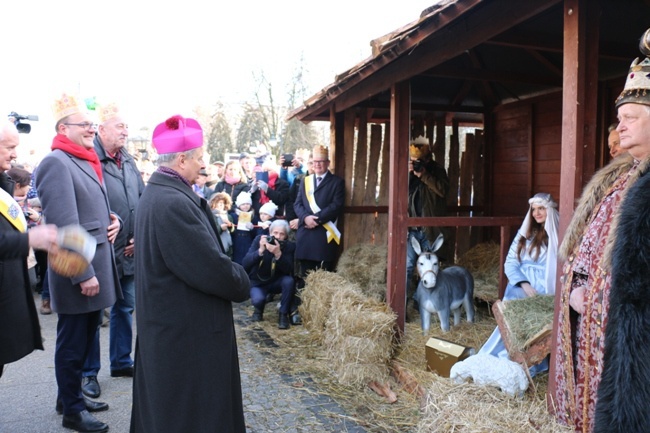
<point x="191" y="242"/>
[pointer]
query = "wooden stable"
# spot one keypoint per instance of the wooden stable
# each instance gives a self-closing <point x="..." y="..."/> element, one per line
<point x="517" y="97"/>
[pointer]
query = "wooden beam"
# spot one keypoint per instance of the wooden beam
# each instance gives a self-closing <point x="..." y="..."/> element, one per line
<point x="576" y="75"/>
<point x="466" y="32"/>
<point x="400" y="121"/>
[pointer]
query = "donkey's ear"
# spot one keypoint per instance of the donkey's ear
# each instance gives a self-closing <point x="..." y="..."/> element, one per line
<point x="416" y="245"/>
<point x="438" y="243"/>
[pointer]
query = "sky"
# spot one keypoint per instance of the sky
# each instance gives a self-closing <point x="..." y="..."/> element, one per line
<point x="160" y="58"/>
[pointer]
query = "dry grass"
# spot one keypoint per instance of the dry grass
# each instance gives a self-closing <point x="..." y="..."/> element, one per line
<point x="449" y="407"/>
<point x="527" y="317"/>
<point x="365" y="265"/>
<point x="482" y="261"/>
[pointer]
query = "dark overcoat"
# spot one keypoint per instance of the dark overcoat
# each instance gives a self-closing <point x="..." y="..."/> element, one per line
<point x="20" y="332"/>
<point x="125" y="186"/>
<point x="186" y="363"/>
<point x="624" y="390"/>
<point x="311" y="244"/>
<point x="71" y="193"/>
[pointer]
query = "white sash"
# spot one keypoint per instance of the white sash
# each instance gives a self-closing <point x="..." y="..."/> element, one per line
<point x="333" y="233"/>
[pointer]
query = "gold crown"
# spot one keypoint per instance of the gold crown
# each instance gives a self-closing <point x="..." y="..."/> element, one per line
<point x="320" y="152"/>
<point x="107" y="111"/>
<point x="419" y="147"/>
<point x="65" y="106"/>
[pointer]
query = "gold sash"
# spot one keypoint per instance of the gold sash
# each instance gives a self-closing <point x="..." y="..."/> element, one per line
<point x="12" y="211"/>
<point x="333" y="233"/>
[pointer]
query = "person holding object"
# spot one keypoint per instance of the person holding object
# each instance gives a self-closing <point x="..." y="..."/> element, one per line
<point x="186" y="364"/>
<point x="531" y="264"/>
<point x="20" y="331"/>
<point x="269" y="264"/>
<point x="70" y="184"/>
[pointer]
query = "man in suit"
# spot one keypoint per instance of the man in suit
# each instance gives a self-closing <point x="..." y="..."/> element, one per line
<point x="124" y="185"/>
<point x="20" y="332"/>
<point x="70" y="185"/>
<point x="318" y="205"/>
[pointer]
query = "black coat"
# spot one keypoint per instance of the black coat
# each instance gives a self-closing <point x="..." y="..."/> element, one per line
<point x="624" y="390"/>
<point x="124" y="186"/>
<point x="20" y="332"/>
<point x="186" y="364"/>
<point x="311" y="244"/>
<point x="260" y="268"/>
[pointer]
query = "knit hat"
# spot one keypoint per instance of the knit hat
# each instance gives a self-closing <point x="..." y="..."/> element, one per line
<point x="243" y="198"/>
<point x="637" y="85"/>
<point x="419" y="147"/>
<point x="269" y="208"/>
<point x="177" y="134"/>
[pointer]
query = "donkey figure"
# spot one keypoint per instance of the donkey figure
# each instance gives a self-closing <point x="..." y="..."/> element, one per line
<point x="441" y="291"/>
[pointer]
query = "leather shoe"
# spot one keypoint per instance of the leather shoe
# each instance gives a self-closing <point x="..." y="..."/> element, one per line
<point x="295" y="318"/>
<point x="122" y="372"/>
<point x="91" y="406"/>
<point x="90" y="387"/>
<point x="283" y="321"/>
<point x="84" y="422"/>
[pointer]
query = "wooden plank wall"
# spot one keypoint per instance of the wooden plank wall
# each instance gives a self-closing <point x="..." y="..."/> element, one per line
<point x="527" y="151"/>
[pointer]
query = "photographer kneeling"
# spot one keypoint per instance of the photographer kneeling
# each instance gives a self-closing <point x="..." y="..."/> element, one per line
<point x="269" y="263"/>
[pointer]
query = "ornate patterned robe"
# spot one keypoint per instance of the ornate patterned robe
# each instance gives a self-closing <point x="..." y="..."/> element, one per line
<point x="581" y="338"/>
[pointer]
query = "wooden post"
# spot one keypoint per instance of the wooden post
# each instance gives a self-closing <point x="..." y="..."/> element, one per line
<point x="400" y="113"/>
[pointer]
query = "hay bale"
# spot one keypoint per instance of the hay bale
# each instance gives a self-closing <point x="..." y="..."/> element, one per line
<point x="482" y="260"/>
<point x="359" y="337"/>
<point x="316" y="298"/>
<point x="365" y="265"/>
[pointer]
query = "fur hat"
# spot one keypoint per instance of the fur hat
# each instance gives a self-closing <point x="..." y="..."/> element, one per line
<point x="269" y="208"/>
<point x="243" y="198"/>
<point x="637" y="85"/>
<point x="177" y="134"/>
<point x="419" y="147"/>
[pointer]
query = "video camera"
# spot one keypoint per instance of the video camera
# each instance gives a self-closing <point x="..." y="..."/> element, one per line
<point x="23" y="128"/>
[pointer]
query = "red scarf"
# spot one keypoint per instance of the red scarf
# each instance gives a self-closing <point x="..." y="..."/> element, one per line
<point x="63" y="143"/>
<point x="273" y="176"/>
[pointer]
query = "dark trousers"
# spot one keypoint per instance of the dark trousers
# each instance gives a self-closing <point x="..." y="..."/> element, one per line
<point x="284" y="284"/>
<point x="306" y="266"/>
<point x="74" y="336"/>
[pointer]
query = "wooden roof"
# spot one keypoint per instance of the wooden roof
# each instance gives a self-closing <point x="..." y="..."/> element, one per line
<point x="466" y="56"/>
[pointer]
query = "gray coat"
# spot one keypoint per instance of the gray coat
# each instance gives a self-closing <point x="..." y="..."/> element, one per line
<point x="124" y="186"/>
<point x="70" y="193"/>
<point x="186" y="365"/>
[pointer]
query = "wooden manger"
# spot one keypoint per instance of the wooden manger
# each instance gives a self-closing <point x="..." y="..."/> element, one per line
<point x="525" y="326"/>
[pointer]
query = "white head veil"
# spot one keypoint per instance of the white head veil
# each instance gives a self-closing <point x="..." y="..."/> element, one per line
<point x="552" y="218"/>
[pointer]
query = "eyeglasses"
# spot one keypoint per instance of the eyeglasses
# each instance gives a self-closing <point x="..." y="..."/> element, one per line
<point x="85" y="125"/>
<point x="322" y="161"/>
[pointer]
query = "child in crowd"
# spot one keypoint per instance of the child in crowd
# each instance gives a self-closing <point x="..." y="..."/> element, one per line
<point x="243" y="219"/>
<point x="220" y="203"/>
<point x="267" y="216"/>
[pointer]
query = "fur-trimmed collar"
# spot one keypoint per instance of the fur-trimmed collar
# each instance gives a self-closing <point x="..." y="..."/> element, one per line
<point x="592" y="195"/>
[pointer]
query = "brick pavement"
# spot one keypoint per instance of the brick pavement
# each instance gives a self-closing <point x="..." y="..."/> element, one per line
<point x="271" y="403"/>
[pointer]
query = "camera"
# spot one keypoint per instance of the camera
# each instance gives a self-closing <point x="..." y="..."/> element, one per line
<point x="270" y="239"/>
<point x="418" y="165"/>
<point x="23" y="128"/>
<point x="288" y="157"/>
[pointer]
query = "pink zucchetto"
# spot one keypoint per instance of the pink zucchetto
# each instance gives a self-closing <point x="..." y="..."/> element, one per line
<point x="177" y="134"/>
